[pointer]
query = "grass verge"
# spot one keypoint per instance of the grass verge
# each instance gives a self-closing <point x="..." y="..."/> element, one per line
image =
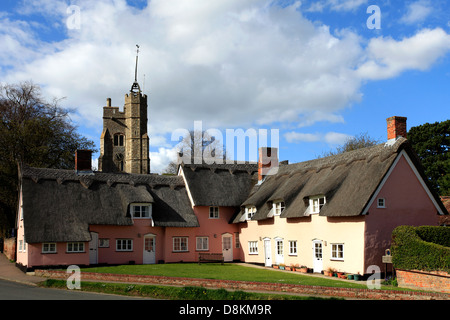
<point x="174" y="293"/>
<point x="230" y="272"/>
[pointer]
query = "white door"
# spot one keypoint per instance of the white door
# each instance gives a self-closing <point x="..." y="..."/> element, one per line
<point x="149" y="249"/>
<point x="227" y="247"/>
<point x="279" y="257"/>
<point x="93" y="248"/>
<point x="317" y="256"/>
<point x="267" y="253"/>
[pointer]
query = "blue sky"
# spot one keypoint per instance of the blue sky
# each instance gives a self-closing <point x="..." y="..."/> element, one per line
<point x="313" y="70"/>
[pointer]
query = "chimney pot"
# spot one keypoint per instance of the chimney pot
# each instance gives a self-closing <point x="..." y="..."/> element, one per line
<point x="267" y="163"/>
<point x="108" y="102"/>
<point x="396" y="127"/>
<point x="83" y="161"/>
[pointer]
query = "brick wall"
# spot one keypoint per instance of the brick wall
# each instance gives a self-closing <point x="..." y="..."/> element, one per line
<point x="9" y="248"/>
<point x="252" y="286"/>
<point x="432" y="281"/>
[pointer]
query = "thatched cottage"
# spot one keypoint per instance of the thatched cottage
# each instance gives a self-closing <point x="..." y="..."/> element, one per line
<point x="335" y="212"/>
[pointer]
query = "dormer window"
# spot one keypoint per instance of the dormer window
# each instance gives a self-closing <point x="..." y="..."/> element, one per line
<point x="278" y="207"/>
<point x="141" y="210"/>
<point x="316" y="203"/>
<point x="249" y="212"/>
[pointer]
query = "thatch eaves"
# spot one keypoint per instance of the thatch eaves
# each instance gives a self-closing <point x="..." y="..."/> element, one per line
<point x="347" y="180"/>
<point x="219" y="184"/>
<point x="59" y="205"/>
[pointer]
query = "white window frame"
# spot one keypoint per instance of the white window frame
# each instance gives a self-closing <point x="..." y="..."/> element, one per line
<point x="381" y="203"/>
<point x="293" y="248"/>
<point x="124" y="245"/>
<point x="278" y="207"/>
<point x="315" y="203"/>
<point x="214" y="212"/>
<point x="337" y="248"/>
<point x="202" y="243"/>
<point x="236" y="240"/>
<point x="49" y="247"/>
<point x="75" y="247"/>
<point x="103" y="243"/>
<point x="253" y="247"/>
<point x="178" y="246"/>
<point x="250" y="212"/>
<point x="147" y="212"/>
<point x="279" y="246"/>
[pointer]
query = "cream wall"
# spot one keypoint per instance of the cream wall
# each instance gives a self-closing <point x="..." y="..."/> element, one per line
<point x="347" y="231"/>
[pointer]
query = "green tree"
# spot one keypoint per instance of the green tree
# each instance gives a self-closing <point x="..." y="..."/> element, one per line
<point x="34" y="132"/>
<point x="431" y="142"/>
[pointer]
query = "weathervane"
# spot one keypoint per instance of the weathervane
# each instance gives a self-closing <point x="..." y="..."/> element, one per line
<point x="135" y="87"/>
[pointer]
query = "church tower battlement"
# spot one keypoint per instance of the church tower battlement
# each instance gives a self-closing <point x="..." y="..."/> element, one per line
<point x="124" y="143"/>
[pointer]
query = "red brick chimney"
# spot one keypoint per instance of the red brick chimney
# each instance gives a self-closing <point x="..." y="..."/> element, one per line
<point x="396" y="127"/>
<point x="267" y="163"/>
<point x="83" y="161"/>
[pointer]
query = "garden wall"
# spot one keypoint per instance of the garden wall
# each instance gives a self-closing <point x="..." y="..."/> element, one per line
<point x="432" y="281"/>
<point x="252" y="286"/>
<point x="9" y="248"/>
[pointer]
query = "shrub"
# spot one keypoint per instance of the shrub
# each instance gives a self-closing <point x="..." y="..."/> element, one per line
<point x="421" y="248"/>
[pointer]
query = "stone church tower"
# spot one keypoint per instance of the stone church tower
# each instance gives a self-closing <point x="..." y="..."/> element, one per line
<point x="124" y="143"/>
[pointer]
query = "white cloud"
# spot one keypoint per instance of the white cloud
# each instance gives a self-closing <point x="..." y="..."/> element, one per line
<point x="387" y="58"/>
<point x="295" y="137"/>
<point x="417" y="12"/>
<point x="332" y="138"/>
<point x="159" y="160"/>
<point x="229" y="63"/>
<point x="336" y="5"/>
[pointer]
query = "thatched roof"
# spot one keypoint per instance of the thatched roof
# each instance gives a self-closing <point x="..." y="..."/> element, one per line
<point x="225" y="185"/>
<point x="59" y="205"/>
<point x="347" y="180"/>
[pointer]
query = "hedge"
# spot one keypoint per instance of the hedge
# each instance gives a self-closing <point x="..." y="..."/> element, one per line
<point x="421" y="248"/>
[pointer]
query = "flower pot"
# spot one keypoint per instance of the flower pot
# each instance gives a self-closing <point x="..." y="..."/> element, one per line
<point x="350" y="277"/>
<point x="356" y="277"/>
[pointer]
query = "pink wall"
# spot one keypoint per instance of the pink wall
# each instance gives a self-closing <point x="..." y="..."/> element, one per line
<point x="61" y="257"/>
<point x="136" y="232"/>
<point x="211" y="228"/>
<point x="407" y="203"/>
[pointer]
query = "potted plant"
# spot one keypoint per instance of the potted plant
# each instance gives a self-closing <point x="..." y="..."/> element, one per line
<point x="356" y="277"/>
<point x="282" y="266"/>
<point x="288" y="268"/>
<point x="304" y="269"/>
<point x="329" y="272"/>
<point x="350" y="277"/>
<point x="275" y="266"/>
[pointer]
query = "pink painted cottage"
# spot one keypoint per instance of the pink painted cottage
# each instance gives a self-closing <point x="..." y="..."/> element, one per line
<point x="334" y="212"/>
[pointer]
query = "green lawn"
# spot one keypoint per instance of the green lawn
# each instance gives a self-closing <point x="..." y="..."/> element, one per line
<point x="229" y="272"/>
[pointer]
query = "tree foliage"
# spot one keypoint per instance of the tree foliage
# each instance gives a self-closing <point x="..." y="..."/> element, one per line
<point x="194" y="148"/>
<point x="363" y="140"/>
<point x="34" y="132"/>
<point x="431" y="142"/>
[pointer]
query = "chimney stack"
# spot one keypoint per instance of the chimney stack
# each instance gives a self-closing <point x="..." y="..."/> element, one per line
<point x="396" y="127"/>
<point x="267" y="163"/>
<point x="83" y="161"/>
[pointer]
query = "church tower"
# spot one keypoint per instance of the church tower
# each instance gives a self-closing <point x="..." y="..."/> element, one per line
<point x="124" y="143"/>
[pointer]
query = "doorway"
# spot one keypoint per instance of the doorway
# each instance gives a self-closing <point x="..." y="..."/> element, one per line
<point x="267" y="253"/>
<point x="93" y="248"/>
<point x="149" y="256"/>
<point x="227" y="247"/>
<point x="317" y="256"/>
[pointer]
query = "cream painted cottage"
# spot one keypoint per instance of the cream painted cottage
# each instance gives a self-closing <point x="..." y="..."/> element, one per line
<point x="335" y="212"/>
